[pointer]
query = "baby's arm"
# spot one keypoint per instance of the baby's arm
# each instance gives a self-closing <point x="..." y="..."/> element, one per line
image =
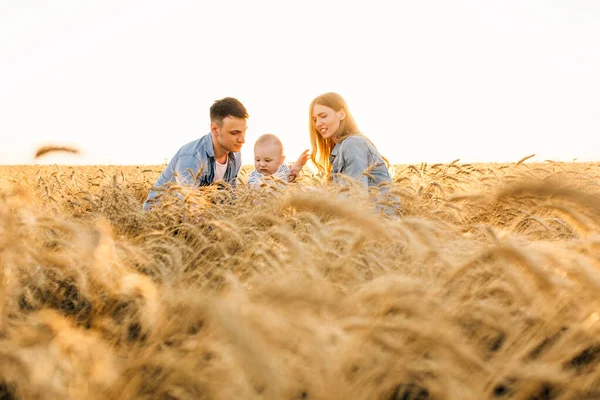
<point x="254" y="179"/>
<point x="297" y="166"/>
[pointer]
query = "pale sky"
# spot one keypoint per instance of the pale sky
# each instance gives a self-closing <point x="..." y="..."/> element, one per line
<point x="131" y="81"/>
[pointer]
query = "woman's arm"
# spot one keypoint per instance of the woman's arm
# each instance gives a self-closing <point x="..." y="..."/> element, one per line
<point x="355" y="159"/>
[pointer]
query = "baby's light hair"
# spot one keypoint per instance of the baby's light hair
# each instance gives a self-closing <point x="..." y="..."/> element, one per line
<point x="269" y="138"/>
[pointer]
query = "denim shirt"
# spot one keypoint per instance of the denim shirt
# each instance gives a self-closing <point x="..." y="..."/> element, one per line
<point x="353" y="156"/>
<point x="189" y="160"/>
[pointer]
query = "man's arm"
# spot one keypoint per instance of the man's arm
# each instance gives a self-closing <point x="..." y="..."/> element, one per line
<point x="187" y="169"/>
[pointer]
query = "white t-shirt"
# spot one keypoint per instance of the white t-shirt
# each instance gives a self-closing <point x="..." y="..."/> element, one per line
<point x="219" y="171"/>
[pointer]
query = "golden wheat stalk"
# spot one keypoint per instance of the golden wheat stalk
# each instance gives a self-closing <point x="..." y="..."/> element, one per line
<point x="54" y="149"/>
<point x="525" y="159"/>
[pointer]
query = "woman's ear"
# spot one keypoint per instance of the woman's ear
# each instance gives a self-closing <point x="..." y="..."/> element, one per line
<point x="342" y="114"/>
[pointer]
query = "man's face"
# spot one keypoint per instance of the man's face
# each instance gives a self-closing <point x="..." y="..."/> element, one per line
<point x="231" y="135"/>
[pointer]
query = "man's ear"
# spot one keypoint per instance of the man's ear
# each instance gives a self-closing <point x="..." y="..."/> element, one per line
<point x="214" y="128"/>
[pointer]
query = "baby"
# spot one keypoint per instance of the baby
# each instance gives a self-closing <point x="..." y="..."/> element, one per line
<point x="268" y="160"/>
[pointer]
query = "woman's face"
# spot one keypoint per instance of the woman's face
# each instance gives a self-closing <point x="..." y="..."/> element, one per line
<point x="326" y="120"/>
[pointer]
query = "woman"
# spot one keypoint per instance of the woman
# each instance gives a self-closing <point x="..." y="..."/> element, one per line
<point x="339" y="148"/>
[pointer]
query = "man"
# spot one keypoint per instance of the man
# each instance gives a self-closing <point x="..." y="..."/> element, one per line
<point x="215" y="156"/>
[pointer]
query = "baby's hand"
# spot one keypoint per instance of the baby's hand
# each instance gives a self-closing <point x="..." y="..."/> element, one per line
<point x="297" y="166"/>
<point x="302" y="159"/>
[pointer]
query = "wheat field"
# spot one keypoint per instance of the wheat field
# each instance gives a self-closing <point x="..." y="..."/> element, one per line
<point x="485" y="286"/>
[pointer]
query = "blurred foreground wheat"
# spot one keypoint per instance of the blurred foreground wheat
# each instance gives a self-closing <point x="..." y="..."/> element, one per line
<point x="485" y="288"/>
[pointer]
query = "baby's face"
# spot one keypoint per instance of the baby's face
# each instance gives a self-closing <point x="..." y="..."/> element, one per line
<point x="267" y="158"/>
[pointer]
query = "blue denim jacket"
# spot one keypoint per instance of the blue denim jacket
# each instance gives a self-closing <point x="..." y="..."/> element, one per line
<point x="192" y="158"/>
<point x="353" y="156"/>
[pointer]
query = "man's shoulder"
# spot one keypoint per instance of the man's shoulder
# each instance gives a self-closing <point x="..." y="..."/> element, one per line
<point x="194" y="147"/>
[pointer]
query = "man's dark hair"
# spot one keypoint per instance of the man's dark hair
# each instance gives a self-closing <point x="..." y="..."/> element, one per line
<point x="227" y="107"/>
